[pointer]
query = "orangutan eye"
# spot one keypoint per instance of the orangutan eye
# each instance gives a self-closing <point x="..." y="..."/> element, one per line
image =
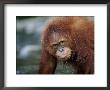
<point x="61" y="42"/>
<point x="55" y="45"/>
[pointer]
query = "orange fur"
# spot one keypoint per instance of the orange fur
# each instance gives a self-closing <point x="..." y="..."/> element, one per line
<point x="79" y="32"/>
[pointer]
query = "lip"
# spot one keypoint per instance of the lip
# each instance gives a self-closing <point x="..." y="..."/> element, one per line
<point x="64" y="55"/>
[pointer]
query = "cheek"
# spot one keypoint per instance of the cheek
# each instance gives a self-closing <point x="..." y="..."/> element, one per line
<point x="51" y="51"/>
<point x="65" y="54"/>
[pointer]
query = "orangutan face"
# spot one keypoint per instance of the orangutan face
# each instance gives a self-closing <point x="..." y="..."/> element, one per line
<point x="59" y="47"/>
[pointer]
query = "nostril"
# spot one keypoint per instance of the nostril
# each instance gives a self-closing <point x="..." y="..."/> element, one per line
<point x="61" y="49"/>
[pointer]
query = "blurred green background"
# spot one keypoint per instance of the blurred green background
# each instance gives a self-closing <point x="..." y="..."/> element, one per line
<point x="28" y="45"/>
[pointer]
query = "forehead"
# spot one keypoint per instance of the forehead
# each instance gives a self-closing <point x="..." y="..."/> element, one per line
<point x="56" y="33"/>
<point x="56" y="37"/>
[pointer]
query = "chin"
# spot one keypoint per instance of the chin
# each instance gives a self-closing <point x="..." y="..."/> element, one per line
<point x="63" y="59"/>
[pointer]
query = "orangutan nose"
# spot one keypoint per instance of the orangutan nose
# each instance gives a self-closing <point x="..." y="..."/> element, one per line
<point x="61" y="49"/>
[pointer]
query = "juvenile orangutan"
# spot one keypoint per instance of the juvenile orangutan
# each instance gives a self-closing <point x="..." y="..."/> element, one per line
<point x="68" y="39"/>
